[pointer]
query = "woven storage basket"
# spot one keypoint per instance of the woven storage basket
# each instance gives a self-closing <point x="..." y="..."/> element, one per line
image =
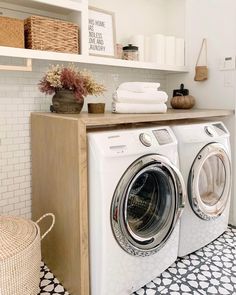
<point x="20" y="255"/>
<point x="11" y="32"/>
<point x="44" y="33"/>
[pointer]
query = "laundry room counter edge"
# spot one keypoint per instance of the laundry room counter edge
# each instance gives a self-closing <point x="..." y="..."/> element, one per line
<point x="109" y="118"/>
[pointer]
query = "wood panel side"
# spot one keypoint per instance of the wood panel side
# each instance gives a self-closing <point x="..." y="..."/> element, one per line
<point x="56" y="188"/>
<point x="83" y="207"/>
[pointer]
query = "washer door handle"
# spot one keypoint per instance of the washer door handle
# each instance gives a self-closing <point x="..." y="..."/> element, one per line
<point x="181" y="189"/>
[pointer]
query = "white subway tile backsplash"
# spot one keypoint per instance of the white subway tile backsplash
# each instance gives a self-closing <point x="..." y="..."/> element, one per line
<point x="7" y="155"/>
<point x="7" y="181"/>
<point x="25" y="184"/>
<point x="13" y="187"/>
<point x="13" y="161"/>
<point x="13" y="174"/>
<point x="6" y="209"/>
<point x="15" y="213"/>
<point x="19" y="166"/>
<point x="26" y="212"/>
<point x="19" y="179"/>
<point x="4" y="175"/>
<point x="18" y="140"/>
<point x="3" y="189"/>
<point x="19" y="96"/>
<point x="20" y="192"/>
<point x="14" y="200"/>
<point x="6" y="141"/>
<point x="24" y="172"/>
<point x="3" y="162"/>
<point x="3" y="203"/>
<point x="7" y="168"/>
<point x="25" y="197"/>
<point x="20" y="205"/>
<point x="14" y="147"/>
<point x="18" y="153"/>
<point x="7" y="195"/>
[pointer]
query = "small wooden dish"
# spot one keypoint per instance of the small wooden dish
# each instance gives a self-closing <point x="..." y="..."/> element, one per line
<point x="96" y="108"/>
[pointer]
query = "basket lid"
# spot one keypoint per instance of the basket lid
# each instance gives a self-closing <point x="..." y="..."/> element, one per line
<point x="16" y="234"/>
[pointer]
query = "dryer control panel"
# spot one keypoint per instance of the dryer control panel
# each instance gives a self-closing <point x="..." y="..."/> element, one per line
<point x="201" y="132"/>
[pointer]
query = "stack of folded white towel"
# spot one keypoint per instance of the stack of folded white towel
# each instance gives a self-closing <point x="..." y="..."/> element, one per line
<point x="139" y="97"/>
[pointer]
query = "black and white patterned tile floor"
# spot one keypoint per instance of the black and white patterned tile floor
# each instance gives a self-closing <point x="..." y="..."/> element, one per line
<point x="210" y="270"/>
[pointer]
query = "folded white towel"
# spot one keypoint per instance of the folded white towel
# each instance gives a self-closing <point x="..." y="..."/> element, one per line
<point x="147" y="97"/>
<point x="139" y="86"/>
<point x="129" y="108"/>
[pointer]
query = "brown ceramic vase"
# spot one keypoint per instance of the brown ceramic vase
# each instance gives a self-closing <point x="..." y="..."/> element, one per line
<point x="64" y="102"/>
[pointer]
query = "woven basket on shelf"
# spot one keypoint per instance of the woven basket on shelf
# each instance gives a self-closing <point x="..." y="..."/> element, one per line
<point x="44" y="33"/>
<point x="11" y="32"/>
<point x="20" y="255"/>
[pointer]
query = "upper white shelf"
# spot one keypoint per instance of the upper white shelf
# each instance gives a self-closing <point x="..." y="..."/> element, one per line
<point x="55" y="6"/>
<point x="77" y="58"/>
<point x="64" y="9"/>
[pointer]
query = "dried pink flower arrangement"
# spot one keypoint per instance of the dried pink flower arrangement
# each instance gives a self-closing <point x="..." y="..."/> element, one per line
<point x="80" y="82"/>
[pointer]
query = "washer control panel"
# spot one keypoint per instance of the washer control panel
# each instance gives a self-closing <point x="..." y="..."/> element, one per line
<point x="145" y="139"/>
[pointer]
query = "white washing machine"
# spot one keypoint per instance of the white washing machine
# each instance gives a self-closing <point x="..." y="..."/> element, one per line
<point x="136" y="195"/>
<point x="205" y="163"/>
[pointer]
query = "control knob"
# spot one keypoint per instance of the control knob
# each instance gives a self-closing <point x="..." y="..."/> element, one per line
<point x="145" y="139"/>
<point x="209" y="131"/>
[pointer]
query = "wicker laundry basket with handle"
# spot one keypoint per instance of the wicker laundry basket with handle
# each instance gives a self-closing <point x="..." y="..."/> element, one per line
<point x="20" y="255"/>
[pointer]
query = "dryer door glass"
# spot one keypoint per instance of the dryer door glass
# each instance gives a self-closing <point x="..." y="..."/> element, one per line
<point x="210" y="181"/>
<point x="147" y="204"/>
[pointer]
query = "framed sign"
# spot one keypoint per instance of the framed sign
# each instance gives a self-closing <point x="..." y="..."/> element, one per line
<point x="101" y="28"/>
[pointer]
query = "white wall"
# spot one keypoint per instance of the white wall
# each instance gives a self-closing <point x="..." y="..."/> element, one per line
<point x="175" y="21"/>
<point x="135" y="16"/>
<point x="216" y="21"/>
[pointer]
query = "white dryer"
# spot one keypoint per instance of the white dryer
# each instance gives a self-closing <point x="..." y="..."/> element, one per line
<point x="136" y="195"/>
<point x="205" y="163"/>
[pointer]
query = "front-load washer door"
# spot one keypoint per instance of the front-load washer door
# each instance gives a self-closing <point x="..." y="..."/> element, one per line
<point x="146" y="205"/>
<point x="209" y="181"/>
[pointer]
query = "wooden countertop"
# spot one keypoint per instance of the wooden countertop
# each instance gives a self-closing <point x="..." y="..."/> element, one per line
<point x="93" y="120"/>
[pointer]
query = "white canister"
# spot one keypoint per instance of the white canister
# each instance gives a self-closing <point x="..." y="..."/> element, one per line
<point x="157" y="49"/>
<point x="170" y="50"/>
<point x="179" y="52"/>
<point x="147" y="49"/>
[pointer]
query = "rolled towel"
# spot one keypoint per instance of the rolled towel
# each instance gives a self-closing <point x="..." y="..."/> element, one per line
<point x="140" y="97"/>
<point x="129" y="108"/>
<point x="139" y="86"/>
